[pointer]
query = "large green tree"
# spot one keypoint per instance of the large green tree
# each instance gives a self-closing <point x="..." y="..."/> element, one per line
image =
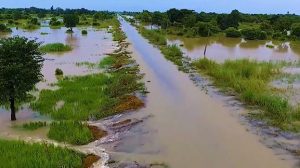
<point x="71" y="20"/>
<point x="20" y="69"/>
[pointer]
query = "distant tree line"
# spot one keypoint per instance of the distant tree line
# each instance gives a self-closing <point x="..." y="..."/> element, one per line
<point x="235" y="24"/>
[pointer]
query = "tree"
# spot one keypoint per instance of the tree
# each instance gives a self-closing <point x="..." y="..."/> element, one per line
<point x="233" y="32"/>
<point x="296" y="29"/>
<point x="70" y="21"/>
<point x="20" y="69"/>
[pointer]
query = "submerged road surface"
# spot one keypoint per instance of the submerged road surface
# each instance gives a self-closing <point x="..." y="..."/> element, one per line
<point x="192" y="130"/>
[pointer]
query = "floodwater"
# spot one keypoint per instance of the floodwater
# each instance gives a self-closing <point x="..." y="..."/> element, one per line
<point x="186" y="127"/>
<point x="86" y="48"/>
<point x="223" y="48"/>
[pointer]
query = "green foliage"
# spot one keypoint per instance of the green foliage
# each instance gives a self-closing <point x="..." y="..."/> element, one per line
<point x="20" y="154"/>
<point x="233" y="32"/>
<point x="249" y="79"/>
<point x="21" y="62"/>
<point x="71" y="20"/>
<point x="84" y="32"/>
<point x="173" y="53"/>
<point x="58" y="72"/>
<point x="34" y="125"/>
<point x="73" y="132"/>
<point x="254" y="34"/>
<point x="54" y="22"/>
<point x="154" y="36"/>
<point x="4" y="29"/>
<point x="55" y="47"/>
<point x="296" y="30"/>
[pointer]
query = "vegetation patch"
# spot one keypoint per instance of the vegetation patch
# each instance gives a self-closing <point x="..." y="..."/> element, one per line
<point x="55" y="47"/>
<point x="171" y="52"/>
<point x="73" y="132"/>
<point x="250" y="81"/>
<point x="20" y="154"/>
<point x="58" y="72"/>
<point x="34" y="125"/>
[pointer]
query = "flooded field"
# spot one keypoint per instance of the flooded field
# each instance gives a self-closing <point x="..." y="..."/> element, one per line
<point x="223" y="48"/>
<point x="185" y="126"/>
<point x="89" y="48"/>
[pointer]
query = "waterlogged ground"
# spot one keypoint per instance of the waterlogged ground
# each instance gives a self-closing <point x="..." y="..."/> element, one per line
<point x="223" y="48"/>
<point x="181" y="125"/>
<point x="89" y="48"/>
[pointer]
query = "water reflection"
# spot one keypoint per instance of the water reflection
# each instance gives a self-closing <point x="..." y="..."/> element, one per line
<point x="222" y="48"/>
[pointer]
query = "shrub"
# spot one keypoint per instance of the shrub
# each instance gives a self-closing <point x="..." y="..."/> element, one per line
<point x="58" y="72"/>
<point x="296" y="29"/>
<point x="232" y="32"/>
<point x="3" y="28"/>
<point x="254" y="34"/>
<point x="84" y="32"/>
<point x="73" y="132"/>
<point x="55" y="47"/>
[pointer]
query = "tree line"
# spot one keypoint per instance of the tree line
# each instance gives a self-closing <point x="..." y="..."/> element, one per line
<point x="235" y="24"/>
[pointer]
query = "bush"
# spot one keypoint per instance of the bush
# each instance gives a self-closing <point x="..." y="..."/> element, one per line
<point x="84" y="32"/>
<point x="296" y="29"/>
<point x="3" y="28"/>
<point x="254" y="34"/>
<point x="58" y="72"/>
<point x="55" y="47"/>
<point x="233" y="32"/>
<point x="73" y="132"/>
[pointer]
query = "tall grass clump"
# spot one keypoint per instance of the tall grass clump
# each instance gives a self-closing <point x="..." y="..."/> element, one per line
<point x="34" y="125"/>
<point x="73" y="132"/>
<point x="154" y="36"/>
<point x="173" y="53"/>
<point x="249" y="79"/>
<point x="20" y="154"/>
<point x="55" y="47"/>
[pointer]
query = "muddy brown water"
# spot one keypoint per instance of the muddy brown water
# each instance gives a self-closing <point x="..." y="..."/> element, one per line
<point x="187" y="128"/>
<point x="86" y="48"/>
<point x="223" y="48"/>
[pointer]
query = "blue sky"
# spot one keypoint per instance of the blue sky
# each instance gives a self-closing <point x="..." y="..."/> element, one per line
<point x="220" y="6"/>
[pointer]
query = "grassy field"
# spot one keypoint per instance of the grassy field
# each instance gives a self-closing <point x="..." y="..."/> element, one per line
<point x="72" y="132"/>
<point x="250" y="81"/>
<point x="20" y="154"/>
<point x="55" y="47"/>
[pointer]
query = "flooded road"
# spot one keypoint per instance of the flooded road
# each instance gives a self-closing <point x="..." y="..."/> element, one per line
<point x="223" y="48"/>
<point x="188" y="128"/>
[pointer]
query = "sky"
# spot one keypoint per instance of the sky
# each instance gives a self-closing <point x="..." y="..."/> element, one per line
<point x="219" y="6"/>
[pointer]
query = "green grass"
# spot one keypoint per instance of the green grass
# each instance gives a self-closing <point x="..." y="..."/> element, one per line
<point x="34" y="125"/>
<point x="158" y="38"/>
<point x="173" y="53"/>
<point x="20" y="154"/>
<point x="73" y="132"/>
<point x="249" y="80"/>
<point x="55" y="47"/>
<point x="154" y="36"/>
